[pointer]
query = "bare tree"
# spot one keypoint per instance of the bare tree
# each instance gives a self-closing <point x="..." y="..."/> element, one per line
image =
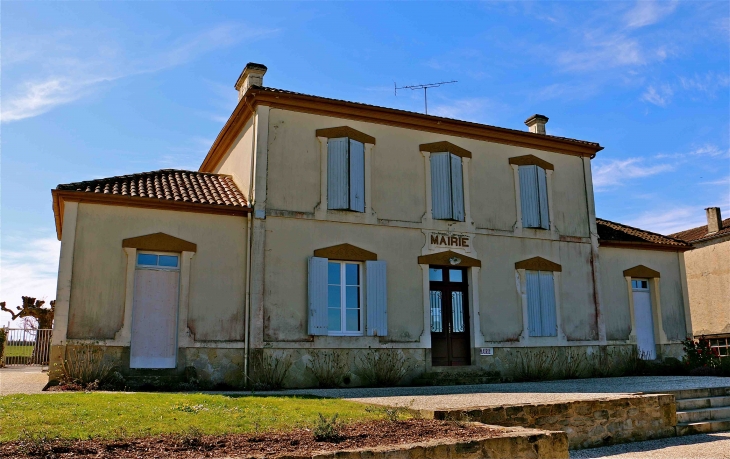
<point x="33" y="308"/>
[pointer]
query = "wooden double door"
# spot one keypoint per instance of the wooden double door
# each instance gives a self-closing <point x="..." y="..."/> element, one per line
<point x="449" y="299"/>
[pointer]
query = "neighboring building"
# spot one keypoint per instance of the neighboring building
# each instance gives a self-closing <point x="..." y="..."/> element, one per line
<point x="708" y="274"/>
<point x="317" y="224"/>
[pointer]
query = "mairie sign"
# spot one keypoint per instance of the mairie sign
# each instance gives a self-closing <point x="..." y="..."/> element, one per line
<point x="451" y="241"/>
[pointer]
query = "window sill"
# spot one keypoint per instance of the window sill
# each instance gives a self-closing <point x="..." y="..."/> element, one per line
<point x="355" y="334"/>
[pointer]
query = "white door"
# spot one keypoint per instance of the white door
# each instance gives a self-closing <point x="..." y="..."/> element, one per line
<point x="644" y="319"/>
<point x="154" y="314"/>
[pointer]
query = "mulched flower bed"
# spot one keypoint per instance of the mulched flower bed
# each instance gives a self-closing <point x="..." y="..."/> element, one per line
<point x="299" y="442"/>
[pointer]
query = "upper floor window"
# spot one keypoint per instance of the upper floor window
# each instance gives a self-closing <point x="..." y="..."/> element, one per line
<point x="447" y="186"/>
<point x="345" y="174"/>
<point x="542" y="316"/>
<point x="534" y="197"/>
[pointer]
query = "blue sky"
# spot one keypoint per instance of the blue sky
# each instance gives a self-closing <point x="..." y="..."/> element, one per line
<point x="99" y="89"/>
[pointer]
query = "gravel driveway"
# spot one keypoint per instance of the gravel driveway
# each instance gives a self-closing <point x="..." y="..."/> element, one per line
<point x="705" y="446"/>
<point x="22" y="380"/>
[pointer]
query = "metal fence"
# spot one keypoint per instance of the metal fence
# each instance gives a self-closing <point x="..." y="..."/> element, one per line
<point x="26" y="346"/>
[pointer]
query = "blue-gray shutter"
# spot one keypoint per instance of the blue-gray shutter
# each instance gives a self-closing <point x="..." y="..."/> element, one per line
<point x="357" y="176"/>
<point x="440" y="186"/>
<point x="457" y="188"/>
<point x="317" y="292"/>
<point x="337" y="174"/>
<point x="547" y="304"/>
<point x="543" y="197"/>
<point x="377" y="298"/>
<point x="534" y="323"/>
<point x="528" y="197"/>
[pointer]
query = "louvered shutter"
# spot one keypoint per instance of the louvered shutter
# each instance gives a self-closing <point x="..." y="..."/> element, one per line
<point x="440" y="186"/>
<point x="547" y="304"/>
<point x="377" y="298"/>
<point x="337" y="174"/>
<point x="317" y="292"/>
<point x="529" y="197"/>
<point x="357" y="176"/>
<point x="534" y="323"/>
<point x="543" y="198"/>
<point x="457" y="188"/>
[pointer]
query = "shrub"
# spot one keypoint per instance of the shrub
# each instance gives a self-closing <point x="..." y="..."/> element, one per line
<point x="390" y="413"/>
<point x="327" y="429"/>
<point x="534" y="365"/>
<point x="329" y="368"/>
<point x="3" y="337"/>
<point x="268" y="371"/>
<point x="699" y="353"/>
<point x="571" y="364"/>
<point x="382" y="368"/>
<point x="85" y="366"/>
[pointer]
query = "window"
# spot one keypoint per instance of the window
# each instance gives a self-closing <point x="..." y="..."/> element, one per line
<point x="534" y="197"/>
<point x="639" y="284"/>
<point x="157" y="261"/>
<point x="345" y="174"/>
<point x="344" y="298"/>
<point x="447" y="187"/>
<point x="541" y="303"/>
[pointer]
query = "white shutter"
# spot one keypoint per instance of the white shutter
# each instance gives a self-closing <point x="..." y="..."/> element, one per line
<point x="547" y="304"/>
<point x="543" y="198"/>
<point x="377" y="298"/>
<point x="534" y="323"/>
<point x="357" y="176"/>
<point x="337" y="174"/>
<point x="440" y="186"/>
<point x="317" y="292"/>
<point x="528" y="197"/>
<point x="457" y="188"/>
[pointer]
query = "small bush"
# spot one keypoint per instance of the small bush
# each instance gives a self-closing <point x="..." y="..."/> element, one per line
<point x="534" y="365"/>
<point x="3" y="337"/>
<point x="389" y="413"/>
<point x="571" y="364"/>
<point x="85" y="366"/>
<point x="268" y="371"/>
<point x="698" y="353"/>
<point x="329" y="368"/>
<point x="382" y="368"/>
<point x="327" y="429"/>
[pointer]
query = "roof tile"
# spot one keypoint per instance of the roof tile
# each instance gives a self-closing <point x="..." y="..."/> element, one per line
<point x="700" y="233"/>
<point x="617" y="232"/>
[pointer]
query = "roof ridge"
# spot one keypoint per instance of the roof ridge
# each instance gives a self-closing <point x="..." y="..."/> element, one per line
<point x="643" y="231"/>
<point x="703" y="226"/>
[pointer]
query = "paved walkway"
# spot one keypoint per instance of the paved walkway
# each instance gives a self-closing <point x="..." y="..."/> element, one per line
<point x="705" y="446"/>
<point x="455" y="397"/>
<point x="22" y="380"/>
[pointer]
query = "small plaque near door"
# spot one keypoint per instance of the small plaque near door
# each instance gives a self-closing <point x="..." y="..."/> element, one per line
<point x="486" y="351"/>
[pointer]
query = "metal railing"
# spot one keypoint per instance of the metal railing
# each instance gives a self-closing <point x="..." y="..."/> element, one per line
<point x="26" y="346"/>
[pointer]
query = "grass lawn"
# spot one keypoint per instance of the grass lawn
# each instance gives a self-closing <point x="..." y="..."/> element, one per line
<point x="18" y="351"/>
<point x="113" y="415"/>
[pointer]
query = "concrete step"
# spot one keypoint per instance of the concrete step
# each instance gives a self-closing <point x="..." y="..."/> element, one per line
<point x="690" y="428"/>
<point x="703" y="414"/>
<point x="702" y="402"/>
<point x="700" y="393"/>
<point x="455" y="378"/>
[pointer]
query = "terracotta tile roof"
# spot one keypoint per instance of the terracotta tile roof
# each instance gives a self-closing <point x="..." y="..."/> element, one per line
<point x="168" y="184"/>
<point x="609" y="232"/>
<point x="568" y="139"/>
<point x="700" y="233"/>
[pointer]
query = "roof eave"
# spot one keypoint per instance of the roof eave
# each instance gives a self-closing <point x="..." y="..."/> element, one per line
<point x="644" y="246"/>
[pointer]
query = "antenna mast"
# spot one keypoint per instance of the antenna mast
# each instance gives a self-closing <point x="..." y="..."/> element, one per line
<point x="425" y="88"/>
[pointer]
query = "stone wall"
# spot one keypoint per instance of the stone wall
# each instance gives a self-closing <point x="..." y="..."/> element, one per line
<point x="588" y="423"/>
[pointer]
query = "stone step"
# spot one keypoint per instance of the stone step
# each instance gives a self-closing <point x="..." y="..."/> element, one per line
<point x="455" y="378"/>
<point x="702" y="402"/>
<point x="703" y="414"/>
<point x="690" y="428"/>
<point x="700" y="393"/>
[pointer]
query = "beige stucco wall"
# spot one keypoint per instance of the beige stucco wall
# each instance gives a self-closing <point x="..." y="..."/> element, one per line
<point x="615" y="296"/>
<point x="237" y="161"/>
<point x="708" y="280"/>
<point x="217" y="275"/>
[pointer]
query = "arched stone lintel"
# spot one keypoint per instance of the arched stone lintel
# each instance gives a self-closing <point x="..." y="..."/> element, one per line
<point x="449" y="258"/>
<point x="641" y="271"/>
<point x="346" y="252"/>
<point x="538" y="264"/>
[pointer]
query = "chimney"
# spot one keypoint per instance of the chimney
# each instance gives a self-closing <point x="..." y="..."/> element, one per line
<point x="252" y="75"/>
<point x="714" y="220"/>
<point x="536" y="123"/>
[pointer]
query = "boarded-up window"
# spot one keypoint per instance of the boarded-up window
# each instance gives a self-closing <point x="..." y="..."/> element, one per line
<point x="447" y="187"/>
<point x="541" y="313"/>
<point x="345" y="174"/>
<point x="534" y="197"/>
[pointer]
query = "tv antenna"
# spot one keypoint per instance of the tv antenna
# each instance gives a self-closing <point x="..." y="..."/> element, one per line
<point x="425" y="88"/>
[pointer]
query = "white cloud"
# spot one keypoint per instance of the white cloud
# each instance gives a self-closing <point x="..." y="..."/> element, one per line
<point x="604" y="52"/>
<point x="660" y="95"/>
<point x="616" y="172"/>
<point x="462" y="109"/>
<point x="708" y="83"/>
<point x="68" y="78"/>
<point x="669" y="220"/>
<point x="723" y="181"/>
<point x="647" y="12"/>
<point x="28" y="267"/>
<point x="708" y="150"/>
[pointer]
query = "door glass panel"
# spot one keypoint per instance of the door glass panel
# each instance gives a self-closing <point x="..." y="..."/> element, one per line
<point x="456" y="275"/>
<point x="168" y="260"/>
<point x="147" y="259"/>
<point x="436" y="274"/>
<point x="437" y="325"/>
<point x="457" y="312"/>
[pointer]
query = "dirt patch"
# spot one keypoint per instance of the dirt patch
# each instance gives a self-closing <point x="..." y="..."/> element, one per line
<point x="296" y="443"/>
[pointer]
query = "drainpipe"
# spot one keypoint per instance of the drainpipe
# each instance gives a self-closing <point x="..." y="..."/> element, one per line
<point x="249" y="229"/>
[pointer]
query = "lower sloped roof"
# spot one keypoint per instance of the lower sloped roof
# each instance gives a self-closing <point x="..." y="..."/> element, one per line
<point x="618" y="234"/>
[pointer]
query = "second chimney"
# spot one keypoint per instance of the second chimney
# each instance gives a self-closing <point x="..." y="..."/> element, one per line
<point x="714" y="220"/>
<point x="536" y="123"/>
<point x="252" y="75"/>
